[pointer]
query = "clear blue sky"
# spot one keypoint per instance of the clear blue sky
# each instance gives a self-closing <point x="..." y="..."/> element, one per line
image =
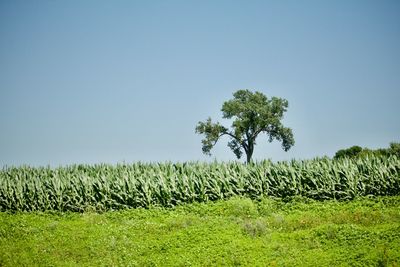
<point x="113" y="81"/>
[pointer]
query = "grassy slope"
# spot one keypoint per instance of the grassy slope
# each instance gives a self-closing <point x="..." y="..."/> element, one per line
<point x="363" y="232"/>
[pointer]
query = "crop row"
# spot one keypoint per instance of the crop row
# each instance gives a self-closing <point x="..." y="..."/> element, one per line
<point x="108" y="187"/>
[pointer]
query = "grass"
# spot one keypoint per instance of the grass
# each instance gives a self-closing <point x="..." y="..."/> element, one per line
<point x="233" y="232"/>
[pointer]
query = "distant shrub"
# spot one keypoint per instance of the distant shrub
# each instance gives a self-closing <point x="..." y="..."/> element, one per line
<point x="349" y="152"/>
<point x="394" y="149"/>
<point x="359" y="152"/>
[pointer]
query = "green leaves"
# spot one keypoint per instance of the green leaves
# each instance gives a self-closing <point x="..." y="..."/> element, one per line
<point x="252" y="114"/>
<point x="234" y="145"/>
<point x="212" y="131"/>
<point x="106" y="187"/>
<point x="359" y="152"/>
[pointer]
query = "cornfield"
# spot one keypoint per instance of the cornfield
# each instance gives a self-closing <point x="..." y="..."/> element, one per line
<point x="106" y="187"/>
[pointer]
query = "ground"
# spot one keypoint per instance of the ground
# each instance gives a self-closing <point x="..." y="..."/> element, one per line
<point x="234" y="232"/>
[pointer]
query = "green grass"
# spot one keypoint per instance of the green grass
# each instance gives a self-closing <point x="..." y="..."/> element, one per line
<point x="237" y="231"/>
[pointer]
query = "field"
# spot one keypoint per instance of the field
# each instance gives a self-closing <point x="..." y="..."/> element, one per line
<point x="234" y="232"/>
<point x="318" y="212"/>
<point x="106" y="187"/>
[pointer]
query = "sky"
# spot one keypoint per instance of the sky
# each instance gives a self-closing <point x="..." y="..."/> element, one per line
<point x="124" y="81"/>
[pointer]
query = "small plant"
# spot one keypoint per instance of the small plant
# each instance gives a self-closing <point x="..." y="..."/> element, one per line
<point x="255" y="228"/>
<point x="383" y="261"/>
<point x="241" y="208"/>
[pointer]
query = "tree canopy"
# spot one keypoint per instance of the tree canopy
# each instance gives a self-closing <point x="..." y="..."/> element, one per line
<point x="251" y="113"/>
<point x="359" y="152"/>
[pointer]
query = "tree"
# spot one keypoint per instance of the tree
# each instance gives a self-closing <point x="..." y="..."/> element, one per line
<point x="358" y="152"/>
<point x="394" y="149"/>
<point x="252" y="114"/>
<point x="351" y="152"/>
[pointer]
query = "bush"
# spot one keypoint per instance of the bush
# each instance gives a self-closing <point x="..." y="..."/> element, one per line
<point x="394" y="149"/>
<point x="358" y="152"/>
<point x="349" y="152"/>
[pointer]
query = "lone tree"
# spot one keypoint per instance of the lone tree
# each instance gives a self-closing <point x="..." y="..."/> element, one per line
<point x="252" y="114"/>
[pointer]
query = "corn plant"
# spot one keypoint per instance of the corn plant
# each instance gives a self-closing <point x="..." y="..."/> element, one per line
<point x="106" y="187"/>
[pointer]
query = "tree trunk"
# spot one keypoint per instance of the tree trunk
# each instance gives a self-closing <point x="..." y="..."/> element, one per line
<point x="249" y="152"/>
<point x="248" y="158"/>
